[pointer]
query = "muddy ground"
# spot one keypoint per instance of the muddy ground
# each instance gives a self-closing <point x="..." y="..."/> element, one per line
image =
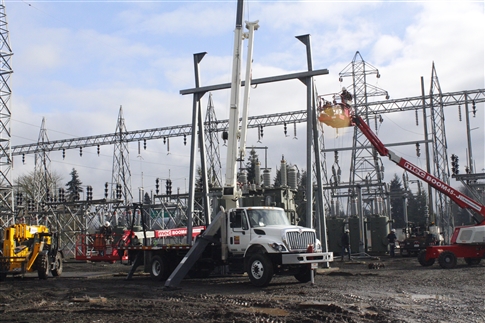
<point x="402" y="291"/>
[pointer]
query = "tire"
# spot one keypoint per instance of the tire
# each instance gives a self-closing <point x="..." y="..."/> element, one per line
<point x="472" y="261"/>
<point x="447" y="260"/>
<point x="159" y="269"/>
<point x="260" y="270"/>
<point x="305" y="274"/>
<point x="42" y="265"/>
<point x="422" y="259"/>
<point x="57" y="268"/>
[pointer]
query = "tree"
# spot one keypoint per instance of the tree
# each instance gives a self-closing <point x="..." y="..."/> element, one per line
<point x="417" y="208"/>
<point x="146" y="199"/>
<point x="251" y="165"/>
<point x="277" y="179"/>
<point x="74" y="188"/>
<point x="26" y="184"/>
<point x="397" y="205"/>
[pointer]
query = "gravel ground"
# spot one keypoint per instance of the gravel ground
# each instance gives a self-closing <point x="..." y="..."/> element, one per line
<point x="401" y="291"/>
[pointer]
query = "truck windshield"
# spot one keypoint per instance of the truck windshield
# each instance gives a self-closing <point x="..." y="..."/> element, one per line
<point x="261" y="218"/>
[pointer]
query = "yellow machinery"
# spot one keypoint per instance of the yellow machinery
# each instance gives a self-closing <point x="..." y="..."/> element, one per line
<point x="29" y="248"/>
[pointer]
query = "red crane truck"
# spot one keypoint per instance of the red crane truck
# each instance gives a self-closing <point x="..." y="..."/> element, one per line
<point x="467" y="242"/>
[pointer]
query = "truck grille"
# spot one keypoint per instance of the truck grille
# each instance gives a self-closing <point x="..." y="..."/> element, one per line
<point x="300" y="240"/>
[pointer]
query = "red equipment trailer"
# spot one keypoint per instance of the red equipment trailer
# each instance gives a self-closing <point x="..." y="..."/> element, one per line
<point x="94" y="247"/>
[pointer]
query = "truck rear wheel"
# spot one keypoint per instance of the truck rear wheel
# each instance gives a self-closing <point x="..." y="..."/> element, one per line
<point x="422" y="259"/>
<point x="260" y="270"/>
<point x="159" y="268"/>
<point x="57" y="268"/>
<point x="42" y="264"/>
<point x="447" y="260"/>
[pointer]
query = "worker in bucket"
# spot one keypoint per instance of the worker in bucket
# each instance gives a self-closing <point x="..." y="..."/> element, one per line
<point x="106" y="230"/>
<point x="392" y="238"/>
<point x="346" y="96"/>
<point x="345" y="242"/>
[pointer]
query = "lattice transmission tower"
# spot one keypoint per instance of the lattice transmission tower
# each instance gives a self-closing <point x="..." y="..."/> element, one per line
<point x="214" y="174"/>
<point x="42" y="166"/>
<point x="6" y="188"/>
<point x="121" y="173"/>
<point x="366" y="167"/>
<point x="440" y="155"/>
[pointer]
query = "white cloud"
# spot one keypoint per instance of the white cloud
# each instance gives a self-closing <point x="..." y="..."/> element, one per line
<point x="78" y="70"/>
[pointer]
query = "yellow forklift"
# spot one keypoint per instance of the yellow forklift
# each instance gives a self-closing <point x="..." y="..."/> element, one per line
<point x="28" y="248"/>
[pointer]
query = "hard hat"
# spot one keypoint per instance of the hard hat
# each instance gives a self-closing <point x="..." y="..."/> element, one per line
<point x="344" y="89"/>
<point x="347" y="230"/>
<point x="106" y="224"/>
<point x="393" y="230"/>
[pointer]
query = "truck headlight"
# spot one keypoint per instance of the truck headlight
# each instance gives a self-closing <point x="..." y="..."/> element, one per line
<point x="318" y="246"/>
<point x="278" y="246"/>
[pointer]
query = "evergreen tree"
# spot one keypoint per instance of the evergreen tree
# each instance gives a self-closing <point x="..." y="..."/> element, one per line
<point x="251" y="165"/>
<point x="277" y="179"/>
<point x="146" y="199"/>
<point x="199" y="183"/>
<point x="74" y="188"/>
<point x="397" y="205"/>
<point x="417" y="208"/>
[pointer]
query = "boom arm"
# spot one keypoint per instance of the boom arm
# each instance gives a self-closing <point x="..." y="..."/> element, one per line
<point x="231" y="193"/>
<point x="457" y="197"/>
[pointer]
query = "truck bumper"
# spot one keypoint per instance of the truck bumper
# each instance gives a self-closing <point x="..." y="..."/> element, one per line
<point x="306" y="258"/>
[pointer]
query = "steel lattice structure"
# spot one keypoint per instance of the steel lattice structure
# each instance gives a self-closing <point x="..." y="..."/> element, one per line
<point x="42" y="169"/>
<point x="440" y="155"/>
<point x="279" y="119"/>
<point x="366" y="166"/>
<point x="6" y="189"/>
<point x="212" y="143"/>
<point x="121" y="162"/>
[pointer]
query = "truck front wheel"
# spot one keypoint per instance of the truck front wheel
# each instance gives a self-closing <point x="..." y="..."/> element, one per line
<point x="447" y="260"/>
<point x="305" y="274"/>
<point x="42" y="264"/>
<point x="260" y="270"/>
<point x="422" y="259"/>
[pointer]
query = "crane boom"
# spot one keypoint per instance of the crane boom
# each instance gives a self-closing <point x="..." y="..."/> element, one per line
<point x="231" y="192"/>
<point x="460" y="199"/>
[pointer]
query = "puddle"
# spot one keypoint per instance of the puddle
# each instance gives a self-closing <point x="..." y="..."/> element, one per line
<point x="418" y="297"/>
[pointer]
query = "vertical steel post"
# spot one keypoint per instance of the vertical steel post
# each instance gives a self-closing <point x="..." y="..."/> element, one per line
<point x="193" y="147"/>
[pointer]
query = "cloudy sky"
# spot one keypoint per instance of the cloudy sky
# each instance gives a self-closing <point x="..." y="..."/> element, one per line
<point x="76" y="62"/>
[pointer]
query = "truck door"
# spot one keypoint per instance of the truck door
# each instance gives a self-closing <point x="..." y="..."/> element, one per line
<point x="239" y="234"/>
